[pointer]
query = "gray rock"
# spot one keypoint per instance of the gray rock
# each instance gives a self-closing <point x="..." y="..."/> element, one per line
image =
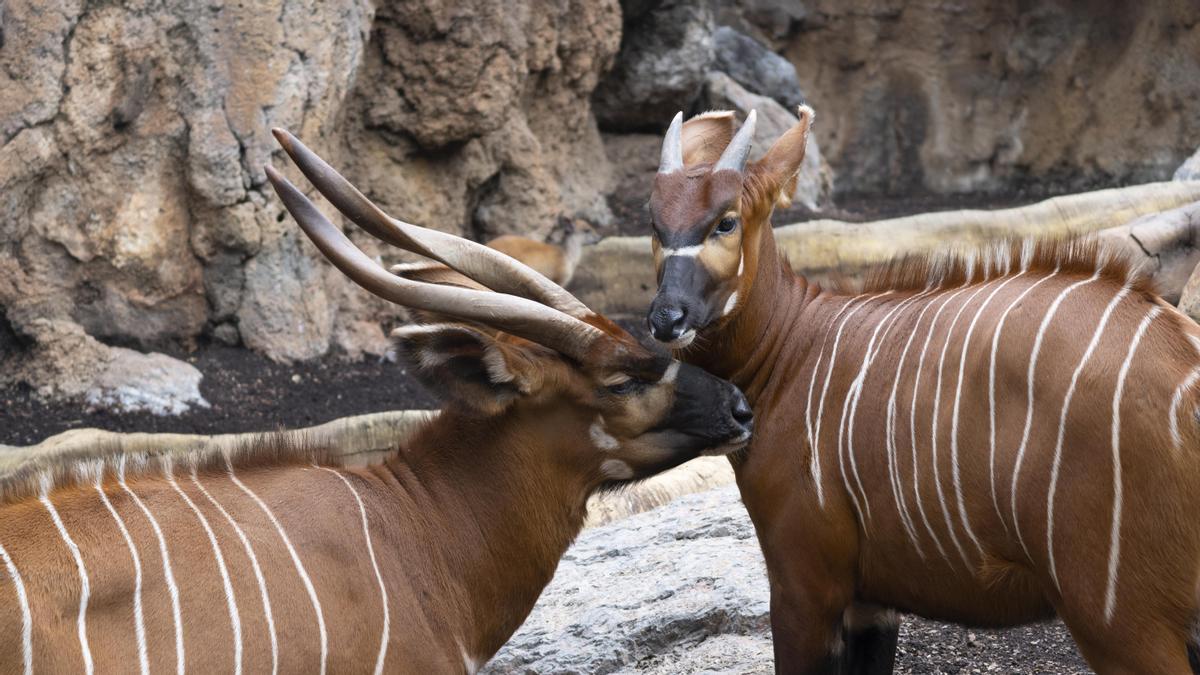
<point x="154" y="383"/>
<point x="814" y="189"/>
<point x="1190" y="169"/>
<point x="660" y="68"/>
<point x="756" y="68"/>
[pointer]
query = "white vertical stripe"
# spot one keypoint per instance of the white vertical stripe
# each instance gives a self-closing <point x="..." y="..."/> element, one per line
<point x="1173" y="414"/>
<point x="258" y="573"/>
<point x="814" y="460"/>
<point x="168" y="574"/>
<point x="962" y="364"/>
<point x="837" y="338"/>
<point x="1114" y="546"/>
<point x="139" y="621"/>
<point x="992" y="383"/>
<point x="308" y="585"/>
<point x="26" y="615"/>
<point x="383" y="597"/>
<point x="1062" y="426"/>
<point x="1029" y="389"/>
<point x="933" y="430"/>
<point x="235" y="619"/>
<point x="85" y="586"/>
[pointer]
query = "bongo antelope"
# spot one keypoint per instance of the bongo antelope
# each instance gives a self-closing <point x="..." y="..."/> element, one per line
<point x="557" y="263"/>
<point x="993" y="437"/>
<point x="275" y="561"/>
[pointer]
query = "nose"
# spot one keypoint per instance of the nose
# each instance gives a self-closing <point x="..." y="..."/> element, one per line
<point x="742" y="412"/>
<point x="666" y="322"/>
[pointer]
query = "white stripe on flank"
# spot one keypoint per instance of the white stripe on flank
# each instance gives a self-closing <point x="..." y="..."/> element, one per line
<point x="139" y="621"/>
<point x="1114" y="546"/>
<point x="685" y="251"/>
<point x="258" y="573"/>
<point x="308" y="585"/>
<point x="890" y="440"/>
<point x="1062" y="426"/>
<point x="912" y="422"/>
<point x="962" y="364"/>
<point x="235" y="620"/>
<point x="992" y="385"/>
<point x="1173" y="415"/>
<point x="172" y="588"/>
<point x="383" y="597"/>
<point x="26" y="616"/>
<point x="837" y="338"/>
<point x="85" y="586"/>
<point x="814" y="464"/>
<point x="933" y="430"/>
<point x="1031" y="373"/>
<point x="850" y="404"/>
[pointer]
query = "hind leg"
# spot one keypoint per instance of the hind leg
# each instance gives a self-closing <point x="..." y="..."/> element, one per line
<point x="1150" y="649"/>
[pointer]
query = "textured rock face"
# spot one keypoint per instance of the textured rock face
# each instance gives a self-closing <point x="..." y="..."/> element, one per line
<point x="756" y="68"/>
<point x="923" y="95"/>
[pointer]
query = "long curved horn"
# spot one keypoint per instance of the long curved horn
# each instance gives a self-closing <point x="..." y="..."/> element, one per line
<point x="738" y="150"/>
<point x="672" y="148"/>
<point x="485" y="265"/>
<point x="512" y="314"/>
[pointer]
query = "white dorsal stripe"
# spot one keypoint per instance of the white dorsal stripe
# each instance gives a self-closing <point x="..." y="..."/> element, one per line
<point x="304" y="578"/>
<point x="1173" y="414"/>
<point x="1029" y="390"/>
<point x="168" y="574"/>
<point x="814" y="463"/>
<point x="235" y="619"/>
<point x="1114" y="545"/>
<point x="992" y="388"/>
<point x="139" y="621"/>
<point x="933" y="431"/>
<point x="85" y="585"/>
<point x="255" y="566"/>
<point x="912" y="422"/>
<point x="962" y="364"/>
<point x="383" y="596"/>
<point x="837" y="338"/>
<point x="1062" y="426"/>
<point x="26" y="615"/>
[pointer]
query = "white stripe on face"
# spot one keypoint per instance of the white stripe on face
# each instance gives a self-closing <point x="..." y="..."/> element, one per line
<point x="1062" y="427"/>
<point x="1114" y="546"/>
<point x="139" y="622"/>
<point x="168" y="574"/>
<point x="258" y="573"/>
<point x="383" y="597"/>
<point x="235" y="620"/>
<point x="671" y="373"/>
<point x="684" y="251"/>
<point x="1029" y="389"/>
<point x="26" y="615"/>
<point x="304" y="578"/>
<point x="85" y="586"/>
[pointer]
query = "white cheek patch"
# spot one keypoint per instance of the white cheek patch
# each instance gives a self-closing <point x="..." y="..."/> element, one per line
<point x="731" y="303"/>
<point x="685" y="251"/>
<point x="672" y="372"/>
<point x="616" y="469"/>
<point x="601" y="438"/>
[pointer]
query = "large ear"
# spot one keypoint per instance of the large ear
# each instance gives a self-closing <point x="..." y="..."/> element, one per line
<point x="705" y="136"/>
<point x="462" y="364"/>
<point x="782" y="162"/>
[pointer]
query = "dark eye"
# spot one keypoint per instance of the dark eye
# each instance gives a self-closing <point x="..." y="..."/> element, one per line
<point x="627" y="387"/>
<point x="726" y="225"/>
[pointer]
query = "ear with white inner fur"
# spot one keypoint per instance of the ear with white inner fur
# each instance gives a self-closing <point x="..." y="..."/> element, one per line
<point x="705" y="136"/>
<point x="462" y="364"/>
<point x="782" y="162"/>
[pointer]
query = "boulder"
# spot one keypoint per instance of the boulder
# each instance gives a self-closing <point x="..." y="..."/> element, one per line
<point x="1190" y="169"/>
<point x="155" y="383"/>
<point x="660" y="69"/>
<point x="756" y="68"/>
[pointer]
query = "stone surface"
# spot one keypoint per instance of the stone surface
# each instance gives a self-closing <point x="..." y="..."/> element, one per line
<point x="756" y="68"/>
<point x="1190" y="169"/>
<point x="154" y="383"/>
<point x="665" y="52"/>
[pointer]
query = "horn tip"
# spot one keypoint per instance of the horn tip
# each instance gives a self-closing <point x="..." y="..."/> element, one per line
<point x="274" y="176"/>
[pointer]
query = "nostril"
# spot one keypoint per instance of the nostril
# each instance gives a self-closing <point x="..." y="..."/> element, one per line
<point x="742" y="412"/>
<point x="666" y="322"/>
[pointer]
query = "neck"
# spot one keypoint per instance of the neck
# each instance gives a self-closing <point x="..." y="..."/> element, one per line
<point x="746" y="347"/>
<point x="503" y="501"/>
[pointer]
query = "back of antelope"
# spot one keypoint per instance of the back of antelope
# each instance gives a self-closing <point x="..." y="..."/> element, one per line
<point x="993" y="437"/>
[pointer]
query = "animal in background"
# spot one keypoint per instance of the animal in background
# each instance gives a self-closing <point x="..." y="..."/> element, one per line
<point x="991" y="437"/>
<point x="276" y="560"/>
<point x="557" y="258"/>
